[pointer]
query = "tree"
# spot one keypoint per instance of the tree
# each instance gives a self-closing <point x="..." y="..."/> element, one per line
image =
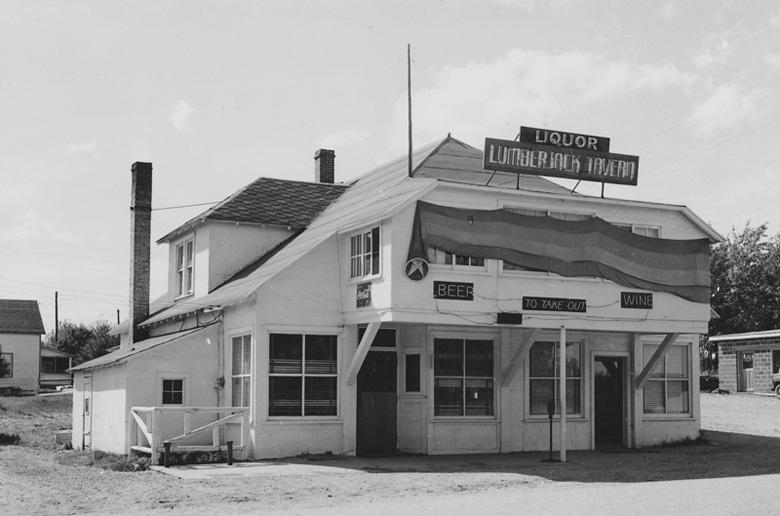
<point x="83" y="342"/>
<point x="745" y="272"/>
<point x="745" y="275"/>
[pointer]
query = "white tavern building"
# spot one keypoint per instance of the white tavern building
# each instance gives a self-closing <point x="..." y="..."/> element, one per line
<point x="420" y="313"/>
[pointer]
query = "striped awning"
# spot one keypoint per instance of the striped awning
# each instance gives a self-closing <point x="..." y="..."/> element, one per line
<point x="591" y="247"/>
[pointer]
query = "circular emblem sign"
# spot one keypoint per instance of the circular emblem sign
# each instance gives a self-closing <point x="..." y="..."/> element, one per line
<point x="416" y="269"/>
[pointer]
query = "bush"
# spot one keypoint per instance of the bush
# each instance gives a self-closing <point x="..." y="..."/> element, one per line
<point x="9" y="438"/>
<point x="708" y="383"/>
<point x="110" y="461"/>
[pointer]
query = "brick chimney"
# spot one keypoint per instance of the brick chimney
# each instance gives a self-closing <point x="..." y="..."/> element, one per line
<point x="324" y="166"/>
<point x="140" y="243"/>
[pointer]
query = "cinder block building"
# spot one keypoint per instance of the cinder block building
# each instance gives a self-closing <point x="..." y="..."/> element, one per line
<point x="746" y="361"/>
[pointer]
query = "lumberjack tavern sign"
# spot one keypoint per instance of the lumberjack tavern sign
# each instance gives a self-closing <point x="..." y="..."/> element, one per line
<point x="560" y="154"/>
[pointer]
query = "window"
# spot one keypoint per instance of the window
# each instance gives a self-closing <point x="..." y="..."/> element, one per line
<point x="302" y="375"/>
<point x="54" y="364"/>
<point x="440" y="257"/>
<point x="241" y="375"/>
<point x="776" y="361"/>
<point x="648" y="231"/>
<point x="667" y="386"/>
<point x="184" y="256"/>
<point x="6" y="365"/>
<point x="364" y="254"/>
<point x="412" y="371"/>
<point x="173" y="391"/>
<point x="544" y="377"/>
<point x="463" y="377"/>
<point x="560" y="215"/>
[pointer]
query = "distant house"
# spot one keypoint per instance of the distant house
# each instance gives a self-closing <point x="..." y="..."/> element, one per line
<point x="21" y="328"/>
<point x="430" y="307"/>
<point x="746" y="361"/>
<point x="54" y="368"/>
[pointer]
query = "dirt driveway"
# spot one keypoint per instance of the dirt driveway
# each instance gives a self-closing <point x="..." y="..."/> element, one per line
<point x="689" y="479"/>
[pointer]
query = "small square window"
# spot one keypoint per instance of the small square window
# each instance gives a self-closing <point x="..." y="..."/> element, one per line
<point x="173" y="391"/>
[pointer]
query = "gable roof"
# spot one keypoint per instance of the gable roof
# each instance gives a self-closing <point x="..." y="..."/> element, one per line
<point x="20" y="316"/>
<point x="137" y="347"/>
<point x="457" y="162"/>
<point x="369" y="199"/>
<point x="275" y="202"/>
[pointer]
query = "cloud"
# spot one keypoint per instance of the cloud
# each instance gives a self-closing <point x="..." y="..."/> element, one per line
<point x="773" y="60"/>
<point x="527" y="85"/>
<point x="727" y="106"/>
<point x="181" y="114"/>
<point x="343" y="139"/>
<point x="720" y="53"/>
<point x="525" y="5"/>
<point x="668" y="10"/>
<point x="81" y="147"/>
<point x="29" y="227"/>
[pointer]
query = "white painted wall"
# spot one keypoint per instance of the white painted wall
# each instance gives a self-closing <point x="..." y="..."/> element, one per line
<point x="221" y="250"/>
<point x="303" y="298"/>
<point x="497" y="290"/>
<point x="194" y="359"/>
<point x="26" y="360"/>
<point x="654" y="429"/>
<point x="108" y="408"/>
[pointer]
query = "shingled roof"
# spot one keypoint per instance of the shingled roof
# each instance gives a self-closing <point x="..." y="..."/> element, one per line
<point x="275" y="202"/>
<point x="20" y="316"/>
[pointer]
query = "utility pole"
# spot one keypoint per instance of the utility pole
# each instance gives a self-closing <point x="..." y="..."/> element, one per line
<point x="56" y="318"/>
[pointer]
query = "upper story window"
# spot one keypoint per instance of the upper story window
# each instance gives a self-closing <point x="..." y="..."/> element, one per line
<point x="184" y="261"/>
<point x="364" y="254"/>
<point x="638" y="229"/>
<point x="439" y="257"/>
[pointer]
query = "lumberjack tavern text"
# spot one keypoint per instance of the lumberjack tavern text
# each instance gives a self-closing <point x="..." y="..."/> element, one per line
<point x="568" y="162"/>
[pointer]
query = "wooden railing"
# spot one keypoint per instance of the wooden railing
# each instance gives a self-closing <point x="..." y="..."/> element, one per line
<point x="150" y="436"/>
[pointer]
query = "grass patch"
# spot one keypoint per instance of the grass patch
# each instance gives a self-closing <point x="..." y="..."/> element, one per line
<point x="36" y="419"/>
<point x="103" y="460"/>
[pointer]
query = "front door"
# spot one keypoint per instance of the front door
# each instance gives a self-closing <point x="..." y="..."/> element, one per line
<point x="86" y="414"/>
<point x="376" y="403"/>
<point x="746" y="376"/>
<point x="608" y="382"/>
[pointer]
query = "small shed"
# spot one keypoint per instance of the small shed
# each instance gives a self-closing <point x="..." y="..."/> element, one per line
<point x="746" y="361"/>
<point x="21" y="328"/>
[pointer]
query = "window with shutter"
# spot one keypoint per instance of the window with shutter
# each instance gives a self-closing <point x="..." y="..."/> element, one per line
<point x="241" y="375"/>
<point x="666" y="390"/>
<point x="544" y="372"/>
<point x="303" y="374"/>
<point x="463" y="377"/>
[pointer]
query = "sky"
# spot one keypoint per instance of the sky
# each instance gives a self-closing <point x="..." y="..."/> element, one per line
<point x="218" y="93"/>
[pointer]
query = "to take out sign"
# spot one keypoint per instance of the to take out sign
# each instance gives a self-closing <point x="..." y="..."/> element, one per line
<point x="560" y="154"/>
